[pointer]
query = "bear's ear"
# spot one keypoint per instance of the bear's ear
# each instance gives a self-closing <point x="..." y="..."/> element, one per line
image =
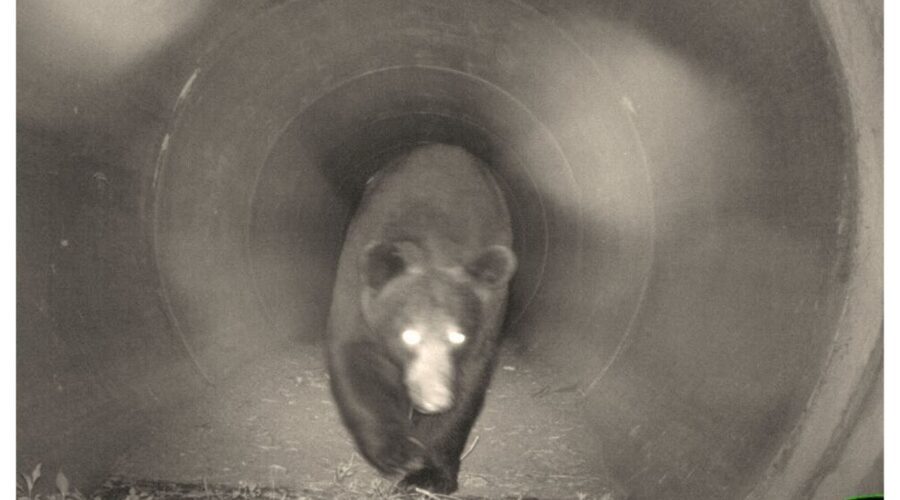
<point x="494" y="267"/>
<point x="379" y="263"/>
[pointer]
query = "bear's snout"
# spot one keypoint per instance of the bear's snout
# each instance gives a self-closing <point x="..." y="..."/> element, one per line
<point x="437" y="401"/>
<point x="429" y="379"/>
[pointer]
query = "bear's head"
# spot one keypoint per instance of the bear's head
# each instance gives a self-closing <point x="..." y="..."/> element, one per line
<point x="430" y="315"/>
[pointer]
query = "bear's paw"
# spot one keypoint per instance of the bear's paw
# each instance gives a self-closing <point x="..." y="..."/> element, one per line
<point x="399" y="456"/>
<point x="432" y="479"/>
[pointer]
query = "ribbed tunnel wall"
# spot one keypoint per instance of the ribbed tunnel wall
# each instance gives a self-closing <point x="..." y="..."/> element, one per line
<point x="694" y="189"/>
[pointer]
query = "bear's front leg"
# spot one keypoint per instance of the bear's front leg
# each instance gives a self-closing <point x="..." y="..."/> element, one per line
<point x="372" y="401"/>
<point x="445" y="434"/>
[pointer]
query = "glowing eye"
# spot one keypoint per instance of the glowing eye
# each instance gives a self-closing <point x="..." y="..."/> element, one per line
<point x="411" y="337"/>
<point x="455" y="337"/>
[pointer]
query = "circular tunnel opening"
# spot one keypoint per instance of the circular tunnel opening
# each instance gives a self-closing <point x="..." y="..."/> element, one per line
<point x="685" y="207"/>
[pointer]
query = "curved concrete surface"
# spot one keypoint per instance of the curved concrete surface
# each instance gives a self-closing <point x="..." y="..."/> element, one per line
<point x="695" y="187"/>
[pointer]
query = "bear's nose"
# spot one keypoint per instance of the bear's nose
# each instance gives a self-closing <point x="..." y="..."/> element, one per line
<point x="434" y="405"/>
<point x="429" y="407"/>
<point x="431" y="397"/>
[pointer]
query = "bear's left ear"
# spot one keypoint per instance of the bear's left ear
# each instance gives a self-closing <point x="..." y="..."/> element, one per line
<point x="494" y="267"/>
<point x="379" y="263"/>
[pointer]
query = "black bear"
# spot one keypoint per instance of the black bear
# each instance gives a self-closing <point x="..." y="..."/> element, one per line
<point x="419" y="300"/>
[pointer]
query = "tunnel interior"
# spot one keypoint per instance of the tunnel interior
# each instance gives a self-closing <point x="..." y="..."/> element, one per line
<point x="684" y="198"/>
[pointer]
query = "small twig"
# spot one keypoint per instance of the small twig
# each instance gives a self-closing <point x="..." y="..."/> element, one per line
<point x="426" y="493"/>
<point x="469" y="450"/>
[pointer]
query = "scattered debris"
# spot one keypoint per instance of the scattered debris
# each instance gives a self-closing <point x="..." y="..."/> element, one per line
<point x="254" y="430"/>
<point x="547" y="390"/>
<point x="470" y="448"/>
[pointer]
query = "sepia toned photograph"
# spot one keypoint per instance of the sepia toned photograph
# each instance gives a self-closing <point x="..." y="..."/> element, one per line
<point x="455" y="249"/>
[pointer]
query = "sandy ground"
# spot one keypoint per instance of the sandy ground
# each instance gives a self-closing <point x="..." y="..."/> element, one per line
<point x="274" y="424"/>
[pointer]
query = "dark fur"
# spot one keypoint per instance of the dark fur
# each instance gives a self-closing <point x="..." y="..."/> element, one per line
<point x="438" y="211"/>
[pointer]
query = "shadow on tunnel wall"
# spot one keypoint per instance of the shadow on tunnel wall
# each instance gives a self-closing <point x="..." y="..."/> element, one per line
<point x="682" y="179"/>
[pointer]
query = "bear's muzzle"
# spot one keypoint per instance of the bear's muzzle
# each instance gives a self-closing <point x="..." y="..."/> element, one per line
<point x="429" y="379"/>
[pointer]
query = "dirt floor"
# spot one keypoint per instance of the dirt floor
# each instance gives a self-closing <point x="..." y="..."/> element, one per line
<point x="273" y="426"/>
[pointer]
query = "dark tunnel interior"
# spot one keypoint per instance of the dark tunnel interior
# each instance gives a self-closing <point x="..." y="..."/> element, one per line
<point x="696" y="205"/>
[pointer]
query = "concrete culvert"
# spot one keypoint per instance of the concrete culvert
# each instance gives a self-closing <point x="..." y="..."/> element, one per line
<point x="695" y="190"/>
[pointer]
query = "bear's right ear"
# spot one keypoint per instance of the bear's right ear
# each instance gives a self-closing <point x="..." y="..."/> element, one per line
<point x="379" y="263"/>
<point x="494" y="267"/>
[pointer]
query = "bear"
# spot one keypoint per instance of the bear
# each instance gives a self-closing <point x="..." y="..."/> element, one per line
<point x="419" y="301"/>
